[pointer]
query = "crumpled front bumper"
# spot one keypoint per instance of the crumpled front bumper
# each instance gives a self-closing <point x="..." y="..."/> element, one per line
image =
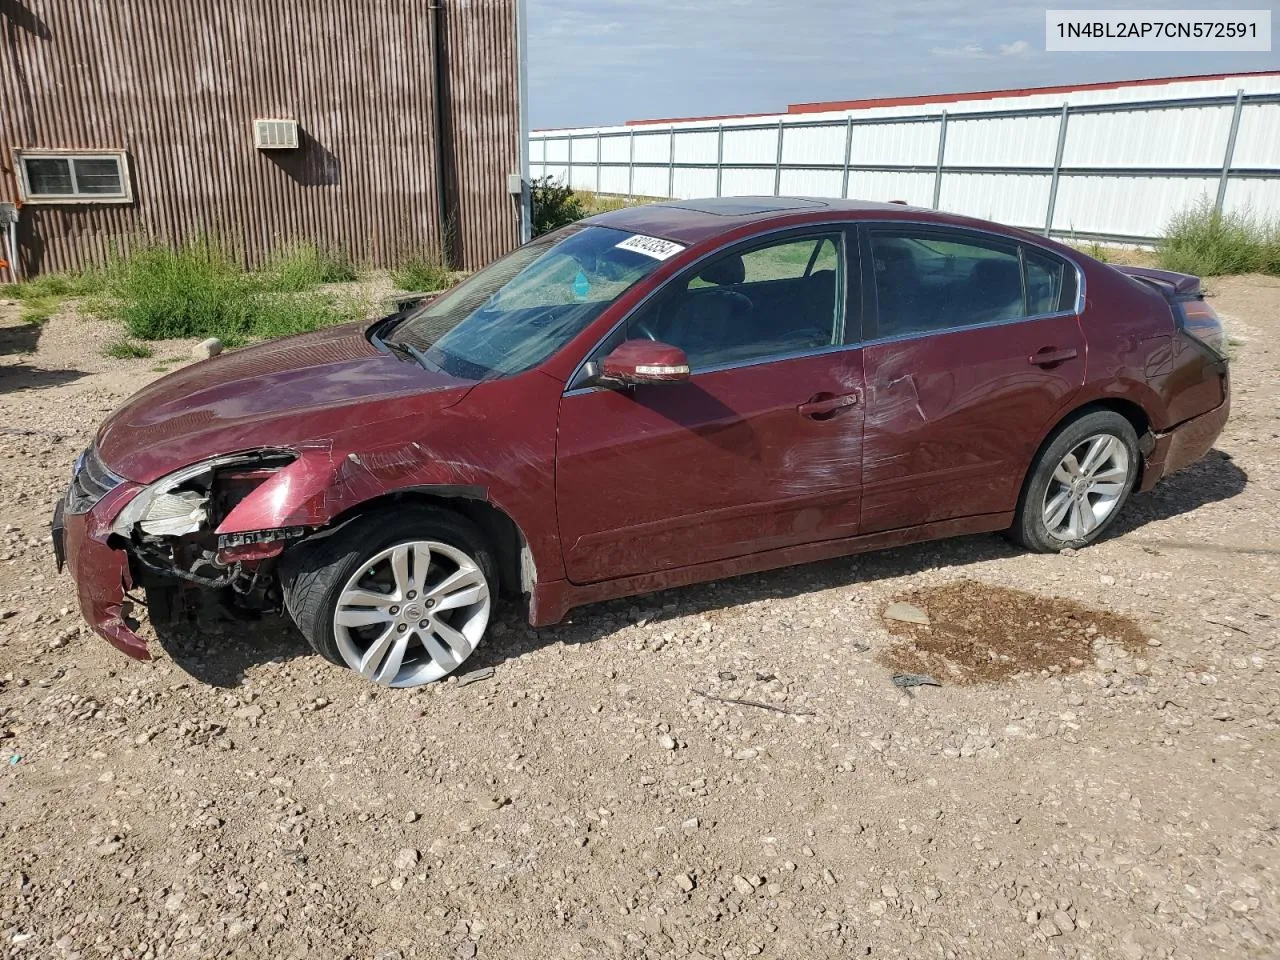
<point x="101" y="573"/>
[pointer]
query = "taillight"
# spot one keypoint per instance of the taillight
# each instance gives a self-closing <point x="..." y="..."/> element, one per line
<point x="1197" y="320"/>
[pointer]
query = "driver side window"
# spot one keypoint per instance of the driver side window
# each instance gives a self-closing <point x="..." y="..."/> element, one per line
<point x="769" y="300"/>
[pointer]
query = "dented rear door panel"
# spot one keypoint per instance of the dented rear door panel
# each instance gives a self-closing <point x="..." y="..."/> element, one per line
<point x="953" y="419"/>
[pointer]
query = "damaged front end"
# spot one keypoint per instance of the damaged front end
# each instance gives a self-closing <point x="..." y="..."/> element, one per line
<point x="175" y="533"/>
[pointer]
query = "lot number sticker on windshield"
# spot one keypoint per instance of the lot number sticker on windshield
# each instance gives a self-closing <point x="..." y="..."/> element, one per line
<point x="651" y="246"/>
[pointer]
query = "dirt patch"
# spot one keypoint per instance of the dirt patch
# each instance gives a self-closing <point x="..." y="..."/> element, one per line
<point x="983" y="634"/>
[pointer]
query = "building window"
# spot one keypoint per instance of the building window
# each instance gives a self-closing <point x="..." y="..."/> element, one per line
<point x="58" y="176"/>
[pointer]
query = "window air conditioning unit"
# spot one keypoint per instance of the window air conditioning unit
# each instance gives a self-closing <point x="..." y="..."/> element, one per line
<point x="275" y="134"/>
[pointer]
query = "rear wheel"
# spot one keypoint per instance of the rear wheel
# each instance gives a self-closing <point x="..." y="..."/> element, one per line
<point x="1079" y="483"/>
<point x="402" y="599"/>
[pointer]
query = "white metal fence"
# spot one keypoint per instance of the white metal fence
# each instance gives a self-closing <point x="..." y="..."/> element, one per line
<point x="1105" y="171"/>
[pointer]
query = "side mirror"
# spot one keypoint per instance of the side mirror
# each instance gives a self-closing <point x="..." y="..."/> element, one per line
<point x="634" y="362"/>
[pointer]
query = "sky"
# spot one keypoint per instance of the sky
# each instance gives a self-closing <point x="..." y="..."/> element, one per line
<point x="596" y="62"/>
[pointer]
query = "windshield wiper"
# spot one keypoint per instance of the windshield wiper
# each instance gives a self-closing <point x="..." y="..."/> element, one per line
<point x="421" y="358"/>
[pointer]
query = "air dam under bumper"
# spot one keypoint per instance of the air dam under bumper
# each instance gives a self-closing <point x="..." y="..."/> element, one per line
<point x="101" y="573"/>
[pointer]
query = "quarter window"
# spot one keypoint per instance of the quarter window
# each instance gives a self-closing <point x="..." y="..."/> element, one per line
<point x="1051" y="283"/>
<point x="61" y="177"/>
<point x="771" y="300"/>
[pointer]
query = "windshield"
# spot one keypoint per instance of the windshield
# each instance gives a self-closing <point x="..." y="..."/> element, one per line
<point x="518" y="311"/>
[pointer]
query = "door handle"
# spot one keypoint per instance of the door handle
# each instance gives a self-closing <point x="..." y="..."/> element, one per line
<point x="1048" y="356"/>
<point x="824" y="404"/>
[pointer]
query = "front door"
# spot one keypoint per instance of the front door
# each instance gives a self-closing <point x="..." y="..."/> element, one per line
<point x="974" y="350"/>
<point x="761" y="448"/>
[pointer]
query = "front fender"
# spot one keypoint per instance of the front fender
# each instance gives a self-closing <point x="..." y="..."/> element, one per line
<point x="320" y="485"/>
<point x="325" y="483"/>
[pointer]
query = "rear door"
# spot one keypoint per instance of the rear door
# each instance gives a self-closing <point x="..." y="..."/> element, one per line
<point x="974" y="346"/>
<point x="761" y="448"/>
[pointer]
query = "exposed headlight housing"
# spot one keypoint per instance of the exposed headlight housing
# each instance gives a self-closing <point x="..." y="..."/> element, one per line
<point x="178" y="504"/>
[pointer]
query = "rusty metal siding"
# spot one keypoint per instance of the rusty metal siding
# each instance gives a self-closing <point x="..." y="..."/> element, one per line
<point x="178" y="83"/>
<point x="483" y="125"/>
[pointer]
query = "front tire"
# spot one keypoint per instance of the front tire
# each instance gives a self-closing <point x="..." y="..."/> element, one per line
<point x="402" y="598"/>
<point x="1078" y="483"/>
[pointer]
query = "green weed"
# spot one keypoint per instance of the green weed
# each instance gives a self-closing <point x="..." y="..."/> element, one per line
<point x="55" y="285"/>
<point x="423" y="274"/>
<point x="40" y="309"/>
<point x="1204" y="242"/>
<point x="304" y="266"/>
<point x="201" y="290"/>
<point x="126" y="349"/>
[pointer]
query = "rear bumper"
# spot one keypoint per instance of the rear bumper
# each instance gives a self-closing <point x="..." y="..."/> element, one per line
<point x="100" y="572"/>
<point x="1186" y="443"/>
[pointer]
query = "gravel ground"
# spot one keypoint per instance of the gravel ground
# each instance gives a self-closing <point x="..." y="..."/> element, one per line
<point x="598" y="796"/>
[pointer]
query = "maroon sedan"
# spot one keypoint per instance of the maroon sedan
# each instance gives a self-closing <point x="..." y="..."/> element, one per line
<point x="652" y="397"/>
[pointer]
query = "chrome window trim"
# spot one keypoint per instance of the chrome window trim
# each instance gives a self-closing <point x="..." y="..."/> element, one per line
<point x="960" y="328"/>
<point x="835" y="348"/>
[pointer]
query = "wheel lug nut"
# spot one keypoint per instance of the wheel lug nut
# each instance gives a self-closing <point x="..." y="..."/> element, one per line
<point x="412" y="594"/>
<point x="394" y="611"/>
<point x="422" y="625"/>
<point x="402" y="628"/>
<point x="430" y="604"/>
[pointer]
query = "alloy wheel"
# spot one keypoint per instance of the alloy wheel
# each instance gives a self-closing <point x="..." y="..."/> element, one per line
<point x="412" y="613"/>
<point x="1086" y="487"/>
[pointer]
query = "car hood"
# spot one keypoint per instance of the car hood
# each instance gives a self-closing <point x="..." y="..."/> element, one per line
<point x="311" y="387"/>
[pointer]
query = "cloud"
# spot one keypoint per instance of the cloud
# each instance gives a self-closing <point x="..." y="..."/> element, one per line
<point x="970" y="51"/>
<point x="975" y="51"/>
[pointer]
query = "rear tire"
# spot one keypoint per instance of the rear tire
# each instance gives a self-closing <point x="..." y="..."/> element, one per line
<point x="402" y="597"/>
<point x="1078" y="483"/>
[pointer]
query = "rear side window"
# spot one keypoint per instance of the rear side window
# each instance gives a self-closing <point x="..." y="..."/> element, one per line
<point x="929" y="281"/>
<point x="926" y="282"/>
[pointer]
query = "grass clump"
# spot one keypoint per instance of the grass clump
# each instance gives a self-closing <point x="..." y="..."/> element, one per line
<point x="593" y="203"/>
<point x="1206" y="242"/>
<point x="57" y="285"/>
<point x="126" y="349"/>
<point x="200" y="290"/>
<point x="1096" y="250"/>
<point x="283" y="316"/>
<point x="305" y="265"/>
<point x="40" y="309"/>
<point x="41" y="297"/>
<point x="423" y="274"/>
<point x="193" y="291"/>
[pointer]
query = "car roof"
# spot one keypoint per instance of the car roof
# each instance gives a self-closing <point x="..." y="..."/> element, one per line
<point x="691" y="221"/>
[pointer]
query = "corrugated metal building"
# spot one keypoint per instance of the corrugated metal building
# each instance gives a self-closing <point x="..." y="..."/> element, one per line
<point x="1102" y="160"/>
<point x="140" y="119"/>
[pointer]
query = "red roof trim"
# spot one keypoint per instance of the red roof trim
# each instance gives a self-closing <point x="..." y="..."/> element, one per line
<point x="830" y="105"/>
<point x="833" y="105"/>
